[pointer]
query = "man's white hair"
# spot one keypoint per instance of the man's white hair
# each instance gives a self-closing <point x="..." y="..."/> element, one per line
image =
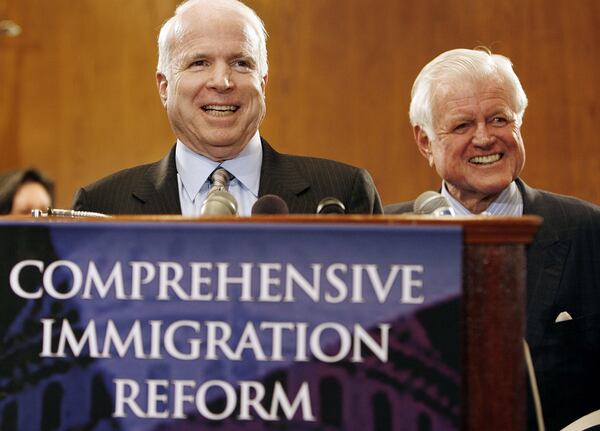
<point x="168" y="31"/>
<point x="470" y="64"/>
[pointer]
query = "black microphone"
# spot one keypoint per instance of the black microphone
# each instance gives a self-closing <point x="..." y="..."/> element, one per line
<point x="219" y="203"/>
<point x="331" y="205"/>
<point x="270" y="204"/>
<point x="433" y="203"/>
<point x="55" y="212"/>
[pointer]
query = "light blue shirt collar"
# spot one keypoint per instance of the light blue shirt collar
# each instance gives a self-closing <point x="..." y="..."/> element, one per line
<point x="246" y="166"/>
<point x="508" y="203"/>
<point x="194" y="169"/>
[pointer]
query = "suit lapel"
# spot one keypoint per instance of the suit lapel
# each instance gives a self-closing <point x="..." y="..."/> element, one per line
<point x="280" y="176"/>
<point x="159" y="192"/>
<point x="546" y="257"/>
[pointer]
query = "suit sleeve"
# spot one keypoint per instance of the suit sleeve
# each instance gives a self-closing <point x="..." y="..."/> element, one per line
<point x="365" y="197"/>
<point x="80" y="201"/>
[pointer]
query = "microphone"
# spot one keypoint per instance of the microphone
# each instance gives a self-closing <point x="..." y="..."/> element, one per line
<point x="433" y="203"/>
<point x="55" y="212"/>
<point x="270" y="204"/>
<point x="331" y="205"/>
<point x="219" y="203"/>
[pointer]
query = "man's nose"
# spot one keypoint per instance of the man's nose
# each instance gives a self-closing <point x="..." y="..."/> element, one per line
<point x="220" y="78"/>
<point x="482" y="135"/>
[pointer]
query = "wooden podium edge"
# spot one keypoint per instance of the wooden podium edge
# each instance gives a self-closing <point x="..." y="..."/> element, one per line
<point x="477" y="229"/>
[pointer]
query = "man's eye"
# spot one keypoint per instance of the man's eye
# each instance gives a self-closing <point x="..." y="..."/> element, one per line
<point x="199" y="63"/>
<point x="499" y="121"/>
<point x="461" y="128"/>
<point x="243" y="64"/>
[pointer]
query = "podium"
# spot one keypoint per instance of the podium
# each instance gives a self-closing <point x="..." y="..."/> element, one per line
<point x="341" y="277"/>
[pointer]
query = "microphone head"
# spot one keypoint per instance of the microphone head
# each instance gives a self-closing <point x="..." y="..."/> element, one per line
<point x="219" y="203"/>
<point x="331" y="205"/>
<point x="432" y="203"/>
<point x="270" y="204"/>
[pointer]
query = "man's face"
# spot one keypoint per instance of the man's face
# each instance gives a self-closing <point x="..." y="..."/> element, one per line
<point x="214" y="93"/>
<point x="478" y="149"/>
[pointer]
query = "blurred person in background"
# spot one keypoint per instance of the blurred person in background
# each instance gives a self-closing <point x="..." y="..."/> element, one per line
<point x="24" y="190"/>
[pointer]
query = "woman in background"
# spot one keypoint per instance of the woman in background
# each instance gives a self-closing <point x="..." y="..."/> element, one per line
<point x="24" y="190"/>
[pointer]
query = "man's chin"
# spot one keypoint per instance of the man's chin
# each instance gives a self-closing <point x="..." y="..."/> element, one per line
<point x="491" y="191"/>
<point x="219" y="150"/>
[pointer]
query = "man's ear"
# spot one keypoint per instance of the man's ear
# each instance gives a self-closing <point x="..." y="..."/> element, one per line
<point x="423" y="143"/>
<point x="162" y="84"/>
<point x="263" y="83"/>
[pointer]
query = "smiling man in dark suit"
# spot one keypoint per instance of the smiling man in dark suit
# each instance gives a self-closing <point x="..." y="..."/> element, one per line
<point x="211" y="76"/>
<point x="466" y="110"/>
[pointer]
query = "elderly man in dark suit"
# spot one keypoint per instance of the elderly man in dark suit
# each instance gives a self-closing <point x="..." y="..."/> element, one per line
<point x="466" y="110"/>
<point x="211" y="76"/>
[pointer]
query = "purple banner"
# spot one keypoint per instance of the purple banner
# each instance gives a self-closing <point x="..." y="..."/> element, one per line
<point x="181" y="326"/>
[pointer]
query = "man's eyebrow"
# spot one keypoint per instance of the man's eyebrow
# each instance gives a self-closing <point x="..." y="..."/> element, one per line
<point x="505" y="111"/>
<point x="243" y="54"/>
<point x="185" y="60"/>
<point x="453" y="118"/>
<point x="194" y="56"/>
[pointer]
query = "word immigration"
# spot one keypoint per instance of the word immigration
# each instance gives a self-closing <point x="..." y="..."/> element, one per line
<point x="223" y="281"/>
<point x="263" y="341"/>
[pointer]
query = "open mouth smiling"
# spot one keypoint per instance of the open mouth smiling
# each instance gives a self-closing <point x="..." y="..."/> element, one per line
<point x="220" y="110"/>
<point x="486" y="160"/>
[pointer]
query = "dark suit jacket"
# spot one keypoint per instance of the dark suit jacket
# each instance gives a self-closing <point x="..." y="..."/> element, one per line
<point x="300" y="181"/>
<point x="563" y="274"/>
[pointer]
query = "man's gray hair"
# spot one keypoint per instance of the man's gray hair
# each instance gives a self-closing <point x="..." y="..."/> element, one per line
<point x="471" y="64"/>
<point x="169" y="27"/>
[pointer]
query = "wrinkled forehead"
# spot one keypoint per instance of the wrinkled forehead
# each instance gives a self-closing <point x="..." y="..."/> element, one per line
<point x="460" y="88"/>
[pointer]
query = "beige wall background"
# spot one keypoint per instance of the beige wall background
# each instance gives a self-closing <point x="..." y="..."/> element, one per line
<point x="78" y="97"/>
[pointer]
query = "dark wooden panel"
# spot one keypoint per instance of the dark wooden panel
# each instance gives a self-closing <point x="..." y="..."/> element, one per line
<point x="9" y="98"/>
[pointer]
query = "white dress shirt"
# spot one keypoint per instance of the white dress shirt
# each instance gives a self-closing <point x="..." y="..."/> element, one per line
<point x="193" y="171"/>
<point x="508" y="203"/>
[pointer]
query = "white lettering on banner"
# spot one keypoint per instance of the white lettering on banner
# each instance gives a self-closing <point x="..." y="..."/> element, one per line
<point x="93" y="279"/>
<point x="138" y="278"/>
<point x="199" y="280"/>
<point x="170" y="282"/>
<point x="224" y="280"/>
<point x="263" y="341"/>
<point x="249" y="402"/>
<point x="161" y="334"/>
<point x="409" y="283"/>
<point x="15" y="283"/>
<point x="49" y="279"/>
<point x="294" y="277"/>
<point x="337" y="283"/>
<point x="247" y="282"/>
<point x="267" y="280"/>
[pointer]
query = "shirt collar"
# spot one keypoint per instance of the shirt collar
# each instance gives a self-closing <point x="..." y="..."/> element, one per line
<point x="508" y="203"/>
<point x="194" y="169"/>
<point x="246" y="166"/>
